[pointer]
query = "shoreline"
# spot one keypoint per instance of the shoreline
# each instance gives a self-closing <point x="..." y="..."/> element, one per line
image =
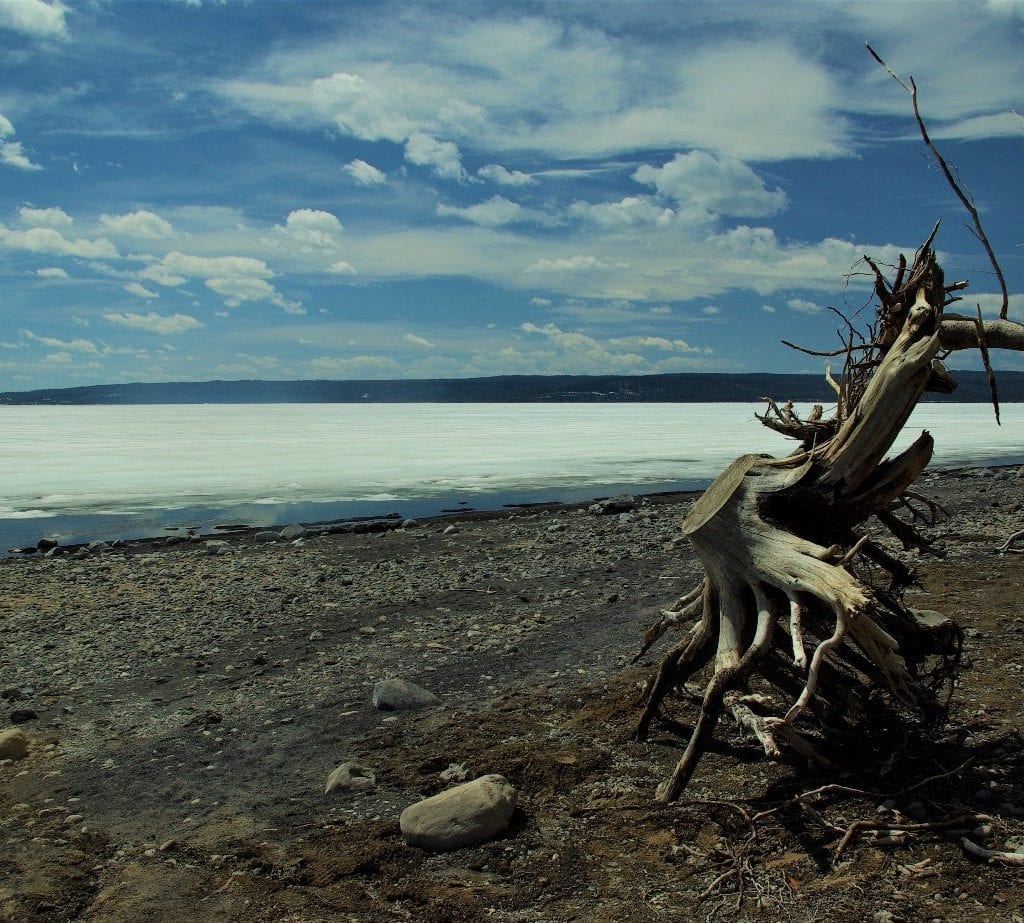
<point x="421" y="509"/>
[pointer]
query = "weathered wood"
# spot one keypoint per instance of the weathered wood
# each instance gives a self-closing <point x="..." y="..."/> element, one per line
<point x="780" y="543"/>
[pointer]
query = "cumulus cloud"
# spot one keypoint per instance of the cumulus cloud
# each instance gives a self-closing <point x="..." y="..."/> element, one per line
<point x="37" y="18"/>
<point x="714" y="185"/>
<point x="134" y="288"/>
<point x="236" y="291"/>
<point x="803" y="306"/>
<point x="341" y="268"/>
<point x="364" y="173"/>
<point x="45" y="217"/>
<point x="52" y="272"/>
<point x="190" y="265"/>
<point x="315" y="228"/>
<point x="442" y="157"/>
<point x="628" y="212"/>
<point x="496" y="173"/>
<point x="577" y="351"/>
<point x="496" y="211"/>
<point x="50" y="240"/>
<point x="163" y="324"/>
<point x="143" y="224"/>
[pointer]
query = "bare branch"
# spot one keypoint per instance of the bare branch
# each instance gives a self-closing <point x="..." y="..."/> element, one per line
<point x="979" y="231"/>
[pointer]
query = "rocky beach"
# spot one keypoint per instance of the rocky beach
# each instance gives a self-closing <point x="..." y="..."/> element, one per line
<point x="173" y="711"/>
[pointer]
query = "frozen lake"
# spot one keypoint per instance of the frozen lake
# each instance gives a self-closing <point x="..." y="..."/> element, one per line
<point x="84" y="472"/>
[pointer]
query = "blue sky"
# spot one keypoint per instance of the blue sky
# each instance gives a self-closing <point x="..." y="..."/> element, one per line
<point x="193" y="189"/>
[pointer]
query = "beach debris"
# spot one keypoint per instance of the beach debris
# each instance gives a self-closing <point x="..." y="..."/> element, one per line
<point x="624" y="503"/>
<point x="465" y="815"/>
<point x="351" y="776"/>
<point x="396" y="694"/>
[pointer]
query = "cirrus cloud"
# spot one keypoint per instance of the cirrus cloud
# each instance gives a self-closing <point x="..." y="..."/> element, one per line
<point x="163" y="324"/>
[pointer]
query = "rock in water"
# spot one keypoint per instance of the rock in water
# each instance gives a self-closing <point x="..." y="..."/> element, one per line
<point x="466" y="815"/>
<point x="397" y="694"/>
<point x="13" y="744"/>
<point x="350" y="777"/>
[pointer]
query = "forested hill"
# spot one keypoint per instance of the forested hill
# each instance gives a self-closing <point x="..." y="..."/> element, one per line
<point x="683" y="387"/>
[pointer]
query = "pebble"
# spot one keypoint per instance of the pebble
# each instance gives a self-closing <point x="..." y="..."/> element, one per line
<point x="465" y="815"/>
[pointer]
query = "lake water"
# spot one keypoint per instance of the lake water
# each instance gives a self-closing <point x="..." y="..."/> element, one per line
<point x="82" y="473"/>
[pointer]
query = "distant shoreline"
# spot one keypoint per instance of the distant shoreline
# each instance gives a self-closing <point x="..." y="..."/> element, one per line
<point x="683" y="387"/>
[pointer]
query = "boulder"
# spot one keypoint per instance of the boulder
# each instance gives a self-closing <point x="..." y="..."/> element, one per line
<point x="465" y="815"/>
<point x="294" y="531"/>
<point x="396" y="694"/>
<point x="13" y="744"/>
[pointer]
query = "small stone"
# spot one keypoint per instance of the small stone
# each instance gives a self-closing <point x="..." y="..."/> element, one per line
<point x="267" y="536"/>
<point x="396" y="694"/>
<point x="13" y="744"/>
<point x="46" y="544"/>
<point x="466" y="815"/>
<point x="21" y="715"/>
<point x="316" y="636"/>
<point x="351" y="777"/>
<point x="216" y="546"/>
<point x="409" y="523"/>
<point x="294" y="531"/>
<point x="450" y="530"/>
<point x="456" y="772"/>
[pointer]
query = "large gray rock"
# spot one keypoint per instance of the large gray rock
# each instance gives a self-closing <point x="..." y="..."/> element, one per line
<point x="294" y="531"/>
<point x="13" y="744"/>
<point x="465" y="815"/>
<point x="396" y="694"/>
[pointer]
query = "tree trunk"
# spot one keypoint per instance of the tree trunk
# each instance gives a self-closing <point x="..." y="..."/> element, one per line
<point x="785" y="591"/>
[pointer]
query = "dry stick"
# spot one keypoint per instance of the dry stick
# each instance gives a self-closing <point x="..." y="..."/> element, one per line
<point x="979" y="326"/>
<point x="979" y="231"/>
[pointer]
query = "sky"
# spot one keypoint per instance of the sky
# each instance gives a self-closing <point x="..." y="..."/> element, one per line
<point x="235" y="189"/>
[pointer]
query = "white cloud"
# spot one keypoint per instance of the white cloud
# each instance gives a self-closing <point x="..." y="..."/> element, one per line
<point x="442" y="156"/>
<point x="163" y="324"/>
<point x="803" y="306"/>
<point x="45" y="217"/>
<point x="34" y="17"/>
<point x="134" y="288"/>
<point x="364" y="173"/>
<point x="355" y="366"/>
<point x="540" y="302"/>
<point x="50" y="240"/>
<point x="628" y="212"/>
<point x="341" y="268"/>
<point x="316" y="228"/>
<point x="768" y="309"/>
<point x="711" y="310"/>
<point x="496" y="211"/>
<point x="578" y="263"/>
<point x="177" y="263"/>
<point x="580" y="353"/>
<point x="6" y="128"/>
<point x="52" y="272"/>
<point x="417" y="340"/>
<point x="715" y="185"/>
<point x="13" y="154"/>
<point x="77" y="345"/>
<point x="496" y="173"/>
<point x="235" y="291"/>
<point x="143" y="224"/>
<point x="60" y="359"/>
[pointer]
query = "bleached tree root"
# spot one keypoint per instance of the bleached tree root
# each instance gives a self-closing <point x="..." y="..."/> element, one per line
<point x="784" y="593"/>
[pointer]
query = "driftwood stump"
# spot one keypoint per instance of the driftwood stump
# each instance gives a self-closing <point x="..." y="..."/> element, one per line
<point x="795" y="589"/>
